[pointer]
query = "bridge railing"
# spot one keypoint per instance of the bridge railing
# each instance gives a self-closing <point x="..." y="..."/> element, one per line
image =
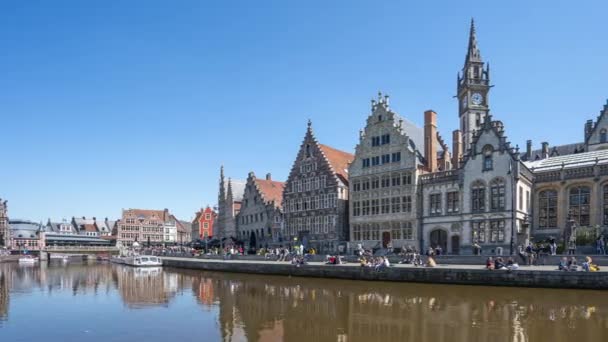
<point x="80" y="248"/>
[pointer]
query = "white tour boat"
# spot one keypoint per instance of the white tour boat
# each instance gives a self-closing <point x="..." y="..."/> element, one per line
<point x="28" y="259"/>
<point x="143" y="261"/>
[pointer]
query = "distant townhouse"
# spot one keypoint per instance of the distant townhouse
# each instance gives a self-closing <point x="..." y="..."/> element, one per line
<point x="203" y="223"/>
<point x="184" y="230"/>
<point x="260" y="218"/>
<point x="26" y="235"/>
<point x="4" y="227"/>
<point x="143" y="226"/>
<point x="315" y="199"/>
<point x="67" y="233"/>
<point x="230" y="198"/>
<point x="383" y="180"/>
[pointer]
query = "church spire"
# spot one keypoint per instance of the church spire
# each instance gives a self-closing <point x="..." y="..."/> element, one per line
<point x="473" y="54"/>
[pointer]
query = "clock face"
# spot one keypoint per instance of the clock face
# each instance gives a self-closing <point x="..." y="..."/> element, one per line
<point x="476" y="98"/>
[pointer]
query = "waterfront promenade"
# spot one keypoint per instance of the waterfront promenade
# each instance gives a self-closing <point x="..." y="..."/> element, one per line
<point x="526" y="276"/>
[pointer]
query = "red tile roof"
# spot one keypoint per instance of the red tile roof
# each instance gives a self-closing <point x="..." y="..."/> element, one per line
<point x="159" y="214"/>
<point x="271" y="190"/>
<point x="90" y="228"/>
<point x="339" y="160"/>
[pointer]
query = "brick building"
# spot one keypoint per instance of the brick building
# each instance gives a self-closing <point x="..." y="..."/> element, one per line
<point x="203" y="223"/>
<point x="143" y="226"/>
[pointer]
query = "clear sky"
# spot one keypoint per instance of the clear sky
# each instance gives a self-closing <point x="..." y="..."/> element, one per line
<point x="107" y="105"/>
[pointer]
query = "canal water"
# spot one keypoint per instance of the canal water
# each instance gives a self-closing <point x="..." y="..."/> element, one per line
<point x="104" y="302"/>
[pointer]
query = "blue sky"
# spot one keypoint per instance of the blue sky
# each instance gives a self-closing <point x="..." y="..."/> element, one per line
<point x="107" y="105"/>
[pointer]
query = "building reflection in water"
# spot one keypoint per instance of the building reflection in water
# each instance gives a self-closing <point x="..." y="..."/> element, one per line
<point x="264" y="308"/>
<point x="298" y="309"/>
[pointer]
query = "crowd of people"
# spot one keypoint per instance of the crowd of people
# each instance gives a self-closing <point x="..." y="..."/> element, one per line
<point x="571" y="265"/>
<point x="500" y="264"/>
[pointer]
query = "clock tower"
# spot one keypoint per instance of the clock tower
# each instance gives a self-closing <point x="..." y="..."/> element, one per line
<point x="473" y="89"/>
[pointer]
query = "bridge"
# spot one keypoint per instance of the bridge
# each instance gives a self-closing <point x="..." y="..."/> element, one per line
<point x="81" y="249"/>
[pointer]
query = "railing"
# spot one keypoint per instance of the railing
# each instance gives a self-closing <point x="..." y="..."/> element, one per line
<point x="439" y="176"/>
<point x="80" y="248"/>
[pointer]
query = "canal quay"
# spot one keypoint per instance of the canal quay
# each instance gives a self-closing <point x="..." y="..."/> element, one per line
<point x="96" y="301"/>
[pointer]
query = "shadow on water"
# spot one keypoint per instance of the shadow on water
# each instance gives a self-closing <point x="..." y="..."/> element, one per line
<point x="275" y="308"/>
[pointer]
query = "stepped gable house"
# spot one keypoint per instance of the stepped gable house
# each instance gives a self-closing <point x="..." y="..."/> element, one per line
<point x="261" y="217"/>
<point x="204" y="222"/>
<point x="315" y="199"/>
<point x="383" y="180"/>
<point x="143" y="226"/>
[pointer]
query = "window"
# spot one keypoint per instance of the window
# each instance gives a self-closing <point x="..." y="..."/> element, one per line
<point x="396" y="204"/>
<point x="406" y="204"/>
<point x="547" y="209"/>
<point x="365" y="207"/>
<point x="478" y="230"/>
<point x="521" y="198"/>
<point x="356" y="232"/>
<point x="386" y="139"/>
<point x="356" y="186"/>
<point x="478" y="197"/>
<point x="385" y="206"/>
<point x="497" y="231"/>
<point x="396" y="180"/>
<point x="497" y="193"/>
<point x="386" y="158"/>
<point x="386" y="181"/>
<point x="375" y="141"/>
<point x="308" y="151"/>
<point x="407" y="179"/>
<point x="375" y="183"/>
<point x="356" y="208"/>
<point x="375" y="207"/>
<point x="452" y="202"/>
<point x="603" y="135"/>
<point x="579" y="205"/>
<point x="375" y="160"/>
<point x="435" y="204"/>
<point x="365" y="162"/>
<point x="396" y="157"/>
<point x="408" y="232"/>
<point x="487" y="157"/>
<point x="207" y="216"/>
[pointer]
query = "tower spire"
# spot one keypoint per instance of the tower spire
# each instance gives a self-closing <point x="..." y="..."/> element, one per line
<point x="473" y="54"/>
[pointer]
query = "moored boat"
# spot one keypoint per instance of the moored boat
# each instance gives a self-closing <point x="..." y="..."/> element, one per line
<point x="143" y="261"/>
<point x="28" y="259"/>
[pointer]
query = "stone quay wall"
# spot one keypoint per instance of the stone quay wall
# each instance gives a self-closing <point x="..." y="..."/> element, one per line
<point x="439" y="275"/>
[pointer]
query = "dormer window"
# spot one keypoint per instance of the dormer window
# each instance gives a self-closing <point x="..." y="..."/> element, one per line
<point x="379" y="118"/>
<point x="603" y="135"/>
<point x="487" y="157"/>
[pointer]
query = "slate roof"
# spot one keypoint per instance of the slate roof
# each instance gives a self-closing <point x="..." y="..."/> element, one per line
<point x="560" y="150"/>
<point x="271" y="191"/>
<point x="415" y="133"/>
<point x="339" y="160"/>
<point x="147" y="214"/>
<point x="24" y="229"/>
<point x="569" y="161"/>
<point x="238" y="188"/>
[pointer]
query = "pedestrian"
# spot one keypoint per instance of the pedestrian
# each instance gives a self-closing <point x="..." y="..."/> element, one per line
<point x="600" y="245"/>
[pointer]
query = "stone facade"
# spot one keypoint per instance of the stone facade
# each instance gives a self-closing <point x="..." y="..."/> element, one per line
<point x="260" y="218"/>
<point x="383" y="180"/>
<point x="315" y="200"/>
<point x="4" y="229"/>
<point x="229" y="201"/>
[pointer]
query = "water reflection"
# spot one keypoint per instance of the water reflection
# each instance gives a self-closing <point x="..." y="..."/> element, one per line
<point x="262" y="308"/>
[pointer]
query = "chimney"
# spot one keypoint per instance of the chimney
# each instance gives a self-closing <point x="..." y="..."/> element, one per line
<point x="588" y="128"/>
<point x="430" y="140"/>
<point x="544" y="150"/>
<point x="456" y="148"/>
<point x="528" y="149"/>
<point x="268" y="176"/>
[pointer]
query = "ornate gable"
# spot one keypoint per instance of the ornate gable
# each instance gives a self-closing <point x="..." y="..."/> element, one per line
<point x="596" y="133"/>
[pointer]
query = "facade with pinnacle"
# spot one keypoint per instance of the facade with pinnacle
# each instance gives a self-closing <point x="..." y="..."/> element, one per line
<point x="315" y="199"/>
<point x="229" y="202"/>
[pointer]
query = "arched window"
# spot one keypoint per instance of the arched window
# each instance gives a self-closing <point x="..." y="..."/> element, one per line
<point x="478" y="196"/>
<point x="487" y="157"/>
<point x="497" y="193"/>
<point x="603" y="135"/>
<point x="547" y="209"/>
<point x="307" y="150"/>
<point x="579" y="205"/>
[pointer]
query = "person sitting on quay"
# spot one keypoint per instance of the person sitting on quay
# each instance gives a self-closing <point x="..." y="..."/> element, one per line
<point x="430" y="262"/>
<point x="563" y="264"/>
<point x="572" y="264"/>
<point x="512" y="265"/>
<point x="589" y="266"/>
<point x="489" y="264"/>
<point x="499" y="264"/>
